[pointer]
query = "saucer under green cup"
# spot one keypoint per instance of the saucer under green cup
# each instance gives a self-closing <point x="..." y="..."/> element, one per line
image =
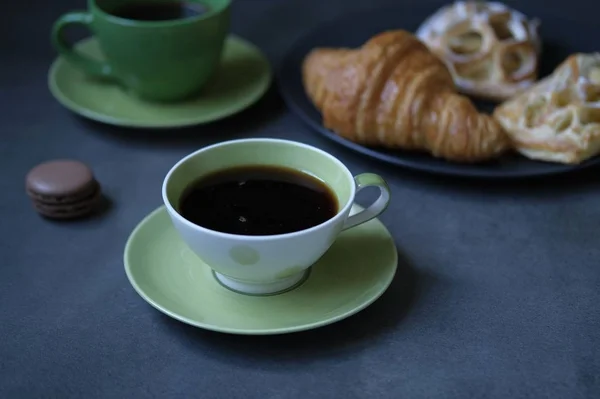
<point x="243" y="76"/>
<point x="164" y="271"/>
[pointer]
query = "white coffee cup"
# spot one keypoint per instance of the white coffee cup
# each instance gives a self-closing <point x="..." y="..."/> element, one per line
<point x="273" y="263"/>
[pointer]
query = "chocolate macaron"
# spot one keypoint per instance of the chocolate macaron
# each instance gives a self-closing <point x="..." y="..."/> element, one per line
<point x="63" y="189"/>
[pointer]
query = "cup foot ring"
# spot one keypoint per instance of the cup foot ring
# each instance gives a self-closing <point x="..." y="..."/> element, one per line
<point x="262" y="289"/>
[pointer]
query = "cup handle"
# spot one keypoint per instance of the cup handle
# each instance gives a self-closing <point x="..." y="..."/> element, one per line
<point x="369" y="180"/>
<point x="90" y="66"/>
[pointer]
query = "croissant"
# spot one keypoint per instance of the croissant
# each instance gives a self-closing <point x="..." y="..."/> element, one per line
<point x="393" y="92"/>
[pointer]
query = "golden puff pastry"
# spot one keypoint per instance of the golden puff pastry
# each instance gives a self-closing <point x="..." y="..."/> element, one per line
<point x="491" y="49"/>
<point x="558" y="119"/>
<point x="394" y="92"/>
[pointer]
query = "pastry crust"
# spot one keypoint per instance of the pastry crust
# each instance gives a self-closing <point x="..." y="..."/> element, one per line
<point x="491" y="49"/>
<point x="558" y="119"/>
<point x="395" y="93"/>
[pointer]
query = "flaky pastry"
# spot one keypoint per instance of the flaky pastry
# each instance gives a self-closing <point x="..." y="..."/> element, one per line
<point x="558" y="119"/>
<point x="491" y="50"/>
<point x="394" y="92"/>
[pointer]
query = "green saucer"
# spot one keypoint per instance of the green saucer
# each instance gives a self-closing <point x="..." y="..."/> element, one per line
<point x="242" y="79"/>
<point x="356" y="270"/>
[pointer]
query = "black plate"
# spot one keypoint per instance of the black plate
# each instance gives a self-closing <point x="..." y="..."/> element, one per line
<point x="561" y="35"/>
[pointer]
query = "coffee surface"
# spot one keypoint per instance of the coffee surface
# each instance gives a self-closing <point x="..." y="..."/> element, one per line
<point x="258" y="200"/>
<point x="159" y="11"/>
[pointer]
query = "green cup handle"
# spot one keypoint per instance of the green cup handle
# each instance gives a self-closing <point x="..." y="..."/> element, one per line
<point x="88" y="65"/>
<point x="375" y="209"/>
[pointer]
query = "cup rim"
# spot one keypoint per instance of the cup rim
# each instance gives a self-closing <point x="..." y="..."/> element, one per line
<point x="342" y="211"/>
<point x="93" y="4"/>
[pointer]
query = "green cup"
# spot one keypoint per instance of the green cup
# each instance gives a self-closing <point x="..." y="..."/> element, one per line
<point x="158" y="60"/>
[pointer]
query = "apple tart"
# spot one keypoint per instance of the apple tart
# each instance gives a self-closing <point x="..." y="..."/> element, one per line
<point x="558" y="119"/>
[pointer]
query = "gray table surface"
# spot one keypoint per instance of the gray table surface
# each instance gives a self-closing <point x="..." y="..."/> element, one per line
<point x="497" y="293"/>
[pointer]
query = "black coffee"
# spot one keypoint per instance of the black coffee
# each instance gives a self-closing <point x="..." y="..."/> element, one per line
<point x="258" y="200"/>
<point x="159" y="11"/>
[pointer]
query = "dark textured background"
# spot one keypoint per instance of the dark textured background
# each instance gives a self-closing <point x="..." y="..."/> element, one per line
<point x="497" y="294"/>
